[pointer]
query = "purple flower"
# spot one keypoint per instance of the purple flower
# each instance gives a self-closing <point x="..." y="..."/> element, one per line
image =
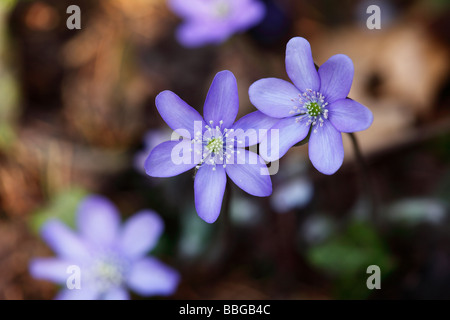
<point x="214" y="145"/>
<point x="214" y="21"/>
<point x="151" y="139"/>
<point x="110" y="258"/>
<point x="292" y="194"/>
<point x="317" y="102"/>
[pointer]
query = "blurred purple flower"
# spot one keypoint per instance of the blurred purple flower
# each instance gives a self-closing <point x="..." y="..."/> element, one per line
<point x="413" y="211"/>
<point x="216" y="149"/>
<point x="214" y="21"/>
<point x="110" y="258"/>
<point x="317" y="102"/>
<point x="317" y="228"/>
<point x="293" y="194"/>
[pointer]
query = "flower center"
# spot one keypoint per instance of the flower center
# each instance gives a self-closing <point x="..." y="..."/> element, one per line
<point x="311" y="109"/>
<point x="222" y="9"/>
<point x="107" y="272"/>
<point x="217" y="145"/>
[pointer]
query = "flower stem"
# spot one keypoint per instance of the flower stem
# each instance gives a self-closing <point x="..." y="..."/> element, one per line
<point x="226" y="212"/>
<point x="366" y="179"/>
<point x="222" y="248"/>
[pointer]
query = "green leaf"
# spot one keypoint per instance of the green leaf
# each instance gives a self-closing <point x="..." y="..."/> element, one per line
<point x="346" y="256"/>
<point x="62" y="206"/>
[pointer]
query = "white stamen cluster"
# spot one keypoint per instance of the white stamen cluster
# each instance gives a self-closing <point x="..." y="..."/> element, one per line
<point x="107" y="273"/>
<point x="312" y="104"/>
<point x="222" y="9"/>
<point x="217" y="145"/>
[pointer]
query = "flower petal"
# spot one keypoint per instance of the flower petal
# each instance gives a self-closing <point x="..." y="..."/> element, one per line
<point x="222" y="101"/>
<point x="63" y="241"/>
<point x="118" y="293"/>
<point x="78" y="294"/>
<point x="195" y="33"/>
<point x="349" y="116"/>
<point x="336" y="77"/>
<point x="325" y="149"/>
<point x="249" y="172"/>
<point x="52" y="269"/>
<point x="300" y="65"/>
<point x="209" y="187"/>
<point x="283" y="135"/>
<point x="273" y="97"/>
<point x="247" y="14"/>
<point x="140" y="233"/>
<point x="151" y="139"/>
<point x="252" y="128"/>
<point x="202" y="24"/>
<point x="98" y="220"/>
<point x="150" y="277"/>
<point x="190" y="9"/>
<point x="177" y="113"/>
<point x="171" y="158"/>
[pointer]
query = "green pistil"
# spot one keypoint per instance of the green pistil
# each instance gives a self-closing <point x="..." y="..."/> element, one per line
<point x="314" y="109"/>
<point x="215" y="145"/>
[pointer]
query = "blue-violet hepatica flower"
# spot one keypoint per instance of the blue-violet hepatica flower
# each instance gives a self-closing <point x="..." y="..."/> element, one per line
<point x="110" y="258"/>
<point x="214" y="21"/>
<point x="214" y="145"/>
<point x="151" y="139"/>
<point x="316" y="101"/>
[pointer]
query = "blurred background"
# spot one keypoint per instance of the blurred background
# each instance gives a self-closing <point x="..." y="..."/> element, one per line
<point x="77" y="116"/>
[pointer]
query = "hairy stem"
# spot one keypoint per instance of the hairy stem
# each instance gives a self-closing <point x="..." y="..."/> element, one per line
<point x="226" y="212"/>
<point x="366" y="179"/>
<point x="224" y="242"/>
